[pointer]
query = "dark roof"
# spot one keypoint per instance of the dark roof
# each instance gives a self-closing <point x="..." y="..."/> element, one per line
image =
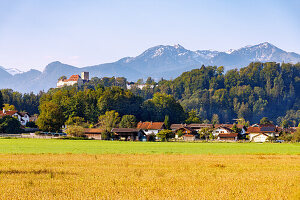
<point x="261" y="129"/>
<point x="229" y="125"/>
<point x="151" y="125"/>
<point x="24" y="113"/>
<point x="268" y="128"/>
<point x="200" y="125"/>
<point x="125" y="130"/>
<point x="177" y="126"/>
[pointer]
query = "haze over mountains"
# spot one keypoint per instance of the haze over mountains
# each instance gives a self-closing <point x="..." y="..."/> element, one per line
<point x="157" y="62"/>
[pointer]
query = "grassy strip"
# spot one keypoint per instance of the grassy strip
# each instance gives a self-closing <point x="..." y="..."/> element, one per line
<point x="40" y="146"/>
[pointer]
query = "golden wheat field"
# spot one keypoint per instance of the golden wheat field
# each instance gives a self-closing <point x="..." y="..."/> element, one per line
<point x="138" y="176"/>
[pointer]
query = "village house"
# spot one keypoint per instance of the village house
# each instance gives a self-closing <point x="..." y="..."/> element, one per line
<point x="74" y="79"/>
<point x="260" y="133"/>
<point x="151" y="127"/>
<point x="132" y="134"/>
<point x="239" y="126"/>
<point x="139" y="86"/>
<point x="224" y="133"/>
<point x="23" y="117"/>
<point x="198" y="127"/>
<point x="186" y="130"/>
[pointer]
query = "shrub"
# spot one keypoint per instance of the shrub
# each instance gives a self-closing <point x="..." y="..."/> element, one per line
<point x="31" y="125"/>
<point x="151" y="137"/>
<point x="75" y="131"/>
<point x="165" y="135"/>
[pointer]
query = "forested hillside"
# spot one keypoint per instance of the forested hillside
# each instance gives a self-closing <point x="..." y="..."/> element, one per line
<point x="260" y="89"/>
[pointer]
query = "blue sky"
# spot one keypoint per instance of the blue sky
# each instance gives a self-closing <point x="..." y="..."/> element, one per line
<point x="34" y="33"/>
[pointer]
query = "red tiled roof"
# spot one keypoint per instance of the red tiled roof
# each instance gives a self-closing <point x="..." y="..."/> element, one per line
<point x="74" y="78"/>
<point x="231" y="135"/>
<point x="253" y="129"/>
<point x="150" y="125"/>
<point x="9" y="113"/>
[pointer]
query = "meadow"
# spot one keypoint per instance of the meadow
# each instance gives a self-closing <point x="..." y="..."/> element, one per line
<point x="161" y="176"/>
<point x="78" y="169"/>
<point x="38" y="146"/>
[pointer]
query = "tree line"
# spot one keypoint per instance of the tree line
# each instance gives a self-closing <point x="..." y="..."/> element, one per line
<point x="207" y="94"/>
<point x="58" y="106"/>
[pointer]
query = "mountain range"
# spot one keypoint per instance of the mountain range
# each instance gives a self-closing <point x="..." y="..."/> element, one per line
<point x="160" y="61"/>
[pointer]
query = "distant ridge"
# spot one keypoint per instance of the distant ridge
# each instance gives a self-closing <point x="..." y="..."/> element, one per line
<point x="160" y="61"/>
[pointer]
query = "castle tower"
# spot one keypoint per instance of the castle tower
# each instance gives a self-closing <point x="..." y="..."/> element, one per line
<point x="85" y="76"/>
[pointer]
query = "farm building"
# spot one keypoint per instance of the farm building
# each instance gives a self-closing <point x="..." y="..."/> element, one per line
<point x="189" y="138"/>
<point x="128" y="133"/>
<point x="229" y="137"/>
<point x="93" y="133"/>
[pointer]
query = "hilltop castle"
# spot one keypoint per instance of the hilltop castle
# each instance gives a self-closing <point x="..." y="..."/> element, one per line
<point x="80" y="80"/>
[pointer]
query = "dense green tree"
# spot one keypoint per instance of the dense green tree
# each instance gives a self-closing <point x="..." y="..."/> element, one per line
<point x="285" y="124"/>
<point x="1" y="100"/>
<point x="167" y="121"/>
<point x="9" y="107"/>
<point x="296" y="136"/>
<point x="109" y="120"/>
<point x="62" y="78"/>
<point x="165" y="135"/>
<point x="51" y="117"/>
<point x="124" y="102"/>
<point x="215" y="119"/>
<point x="161" y="105"/>
<point x="265" y="121"/>
<point x="28" y="102"/>
<point x="77" y="121"/>
<point x="128" y="121"/>
<point x="192" y="117"/>
<point x="10" y="124"/>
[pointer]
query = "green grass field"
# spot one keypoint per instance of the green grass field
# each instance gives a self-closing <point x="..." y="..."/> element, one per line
<point x="39" y="146"/>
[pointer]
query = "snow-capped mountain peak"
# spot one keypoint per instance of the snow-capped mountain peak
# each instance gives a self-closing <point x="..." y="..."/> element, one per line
<point x="12" y="71"/>
<point x="230" y="51"/>
<point x="167" y="61"/>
